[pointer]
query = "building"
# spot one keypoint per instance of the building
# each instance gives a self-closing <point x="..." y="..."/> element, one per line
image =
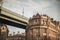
<point x="3" y="32"/>
<point x="16" y="37"/>
<point x="42" y="27"/>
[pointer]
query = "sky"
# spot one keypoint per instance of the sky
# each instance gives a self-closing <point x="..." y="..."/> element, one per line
<point x="31" y="7"/>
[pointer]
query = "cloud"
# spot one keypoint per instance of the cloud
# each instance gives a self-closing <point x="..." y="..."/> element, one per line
<point x="33" y="6"/>
<point x="22" y="0"/>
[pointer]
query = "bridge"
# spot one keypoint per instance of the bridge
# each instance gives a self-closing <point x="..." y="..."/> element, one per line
<point x="11" y="18"/>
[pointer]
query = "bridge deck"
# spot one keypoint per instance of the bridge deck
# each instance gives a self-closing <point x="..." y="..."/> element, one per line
<point x="12" y="23"/>
<point x="6" y="17"/>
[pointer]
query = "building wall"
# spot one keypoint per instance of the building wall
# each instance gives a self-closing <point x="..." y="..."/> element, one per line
<point x="3" y="32"/>
<point x="16" y="37"/>
<point x="42" y="27"/>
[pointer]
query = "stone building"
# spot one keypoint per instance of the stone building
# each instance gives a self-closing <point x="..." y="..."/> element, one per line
<point x="17" y="36"/>
<point x="3" y="32"/>
<point x="42" y="27"/>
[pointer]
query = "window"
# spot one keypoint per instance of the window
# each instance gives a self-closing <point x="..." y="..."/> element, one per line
<point x="43" y="22"/>
<point x="36" y="21"/>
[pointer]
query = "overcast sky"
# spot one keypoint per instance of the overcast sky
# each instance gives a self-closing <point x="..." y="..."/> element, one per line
<point x="49" y="7"/>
